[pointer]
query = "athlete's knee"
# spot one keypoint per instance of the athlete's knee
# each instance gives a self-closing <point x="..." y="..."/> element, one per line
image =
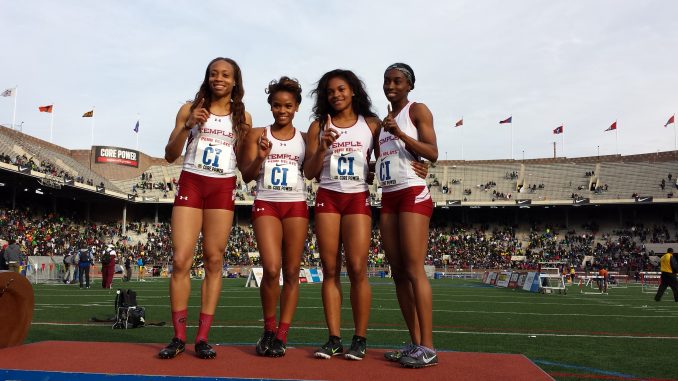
<point x="213" y="263"/>
<point x="181" y="266"/>
<point x="356" y="270"/>
<point x="271" y="273"/>
<point x="291" y="276"/>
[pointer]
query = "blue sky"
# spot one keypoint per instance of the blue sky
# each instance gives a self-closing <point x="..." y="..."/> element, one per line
<point x="581" y="63"/>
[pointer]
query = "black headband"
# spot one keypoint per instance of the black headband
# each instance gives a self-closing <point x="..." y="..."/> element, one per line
<point x="406" y="70"/>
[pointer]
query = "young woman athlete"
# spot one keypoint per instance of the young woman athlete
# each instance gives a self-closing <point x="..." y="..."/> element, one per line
<point x="274" y="156"/>
<point x="213" y="124"/>
<point x="407" y="135"/>
<point x="338" y="151"/>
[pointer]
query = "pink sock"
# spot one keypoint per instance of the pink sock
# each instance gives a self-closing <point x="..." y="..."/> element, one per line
<point x="283" y="328"/>
<point x="205" y="322"/>
<point x="269" y="323"/>
<point x="179" y="323"/>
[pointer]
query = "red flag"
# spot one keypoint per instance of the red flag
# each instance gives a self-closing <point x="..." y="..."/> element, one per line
<point x="507" y="120"/>
<point x="46" y="108"/>
<point x="613" y="126"/>
<point x="672" y="120"/>
<point x="459" y="123"/>
<point x="558" y="130"/>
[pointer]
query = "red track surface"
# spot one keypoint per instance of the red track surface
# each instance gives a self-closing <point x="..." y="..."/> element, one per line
<point x="242" y="362"/>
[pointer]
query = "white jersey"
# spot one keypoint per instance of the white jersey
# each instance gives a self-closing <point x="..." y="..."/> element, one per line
<point x="345" y="165"/>
<point x="394" y="165"/>
<point x="210" y="149"/>
<point x="280" y="177"/>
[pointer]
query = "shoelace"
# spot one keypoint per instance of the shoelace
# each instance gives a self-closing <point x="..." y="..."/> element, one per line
<point x="408" y="349"/>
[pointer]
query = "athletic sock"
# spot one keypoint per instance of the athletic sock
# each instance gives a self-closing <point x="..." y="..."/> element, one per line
<point x="204" y="324"/>
<point x="283" y="328"/>
<point x="269" y="323"/>
<point x="179" y="323"/>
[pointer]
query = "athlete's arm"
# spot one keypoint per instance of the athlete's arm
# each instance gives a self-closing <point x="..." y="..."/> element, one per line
<point x="179" y="134"/>
<point x="375" y="125"/>
<point x="426" y="146"/>
<point x="250" y="158"/>
<point x="313" y="158"/>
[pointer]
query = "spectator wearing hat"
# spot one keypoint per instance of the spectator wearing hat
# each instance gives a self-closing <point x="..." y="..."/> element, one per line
<point x="669" y="267"/>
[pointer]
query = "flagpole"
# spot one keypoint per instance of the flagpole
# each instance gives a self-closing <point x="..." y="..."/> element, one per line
<point x="92" y="124"/>
<point x="462" y="139"/>
<point x="51" y="126"/>
<point x="16" y="92"/>
<point x="616" y="138"/>
<point x="512" y="158"/>
<point x="137" y="131"/>
<point x="675" y="136"/>
<point x="562" y="141"/>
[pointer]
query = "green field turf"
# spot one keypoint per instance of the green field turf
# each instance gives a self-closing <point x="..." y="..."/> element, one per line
<point x="623" y="335"/>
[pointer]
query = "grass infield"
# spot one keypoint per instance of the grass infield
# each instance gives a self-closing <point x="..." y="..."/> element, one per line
<point x="622" y="335"/>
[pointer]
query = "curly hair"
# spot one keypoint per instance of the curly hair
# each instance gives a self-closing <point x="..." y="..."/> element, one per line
<point x="290" y="85"/>
<point x="237" y="106"/>
<point x="361" y="104"/>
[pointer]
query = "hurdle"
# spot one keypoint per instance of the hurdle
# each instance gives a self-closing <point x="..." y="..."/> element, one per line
<point x="649" y="281"/>
<point x="587" y="281"/>
<point x="618" y="280"/>
<point x="550" y="281"/>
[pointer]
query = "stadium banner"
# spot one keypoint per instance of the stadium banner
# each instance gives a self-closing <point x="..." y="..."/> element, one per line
<point x="453" y="202"/>
<point x="513" y="281"/>
<point x="24" y="169"/>
<point x="492" y="278"/>
<point x="256" y="275"/>
<point x="116" y="155"/>
<point x="430" y="271"/>
<point x="524" y="202"/>
<point x="302" y="276"/>
<point x="314" y="275"/>
<point x="100" y="189"/>
<point x="531" y="282"/>
<point x="581" y="201"/>
<point x="521" y="280"/>
<point x="485" y="276"/>
<point x="503" y="279"/>
<point x="644" y="199"/>
<point x="70" y="182"/>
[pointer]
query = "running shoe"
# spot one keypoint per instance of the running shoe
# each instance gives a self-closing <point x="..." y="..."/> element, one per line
<point x="358" y="348"/>
<point x="277" y="349"/>
<point x="395" y="356"/>
<point x="264" y="342"/>
<point x="331" y="348"/>
<point x="173" y="349"/>
<point x="204" y="350"/>
<point x="419" y="358"/>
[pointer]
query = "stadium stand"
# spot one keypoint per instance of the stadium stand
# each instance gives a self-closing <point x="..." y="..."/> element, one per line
<point x="477" y="224"/>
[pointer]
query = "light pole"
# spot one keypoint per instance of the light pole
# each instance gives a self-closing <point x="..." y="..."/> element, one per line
<point x="598" y="152"/>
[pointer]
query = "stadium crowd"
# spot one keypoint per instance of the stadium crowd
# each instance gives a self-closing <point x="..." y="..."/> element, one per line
<point x="454" y="246"/>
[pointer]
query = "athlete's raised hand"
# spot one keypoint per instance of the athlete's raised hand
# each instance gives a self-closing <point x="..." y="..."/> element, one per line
<point x="264" y="146"/>
<point x="389" y="124"/>
<point x="329" y="135"/>
<point x="198" y="116"/>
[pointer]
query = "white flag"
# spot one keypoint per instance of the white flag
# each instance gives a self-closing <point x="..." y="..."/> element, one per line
<point x="8" y="93"/>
